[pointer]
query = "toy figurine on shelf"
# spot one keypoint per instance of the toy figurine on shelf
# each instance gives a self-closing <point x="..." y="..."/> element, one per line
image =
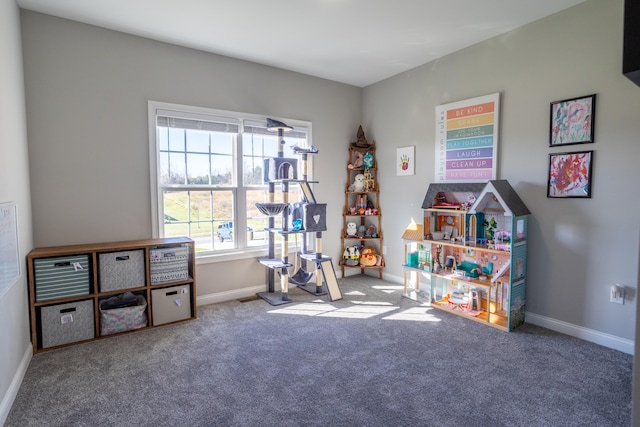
<point x="367" y="160"/>
<point x="361" y="140"/>
<point x="360" y="205"/>
<point x="371" y="231"/>
<point x="357" y="161"/>
<point x="369" y="183"/>
<point x="436" y="259"/>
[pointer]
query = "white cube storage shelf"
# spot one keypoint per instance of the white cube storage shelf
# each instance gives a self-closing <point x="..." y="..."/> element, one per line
<point x="68" y="283"/>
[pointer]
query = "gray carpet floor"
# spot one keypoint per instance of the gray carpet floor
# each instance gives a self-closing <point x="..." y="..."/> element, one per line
<point x="370" y="359"/>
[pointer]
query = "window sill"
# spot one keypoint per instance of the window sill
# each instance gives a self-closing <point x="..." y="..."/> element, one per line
<point x="234" y="255"/>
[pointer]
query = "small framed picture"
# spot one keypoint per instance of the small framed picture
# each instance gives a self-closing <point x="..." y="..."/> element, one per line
<point x="405" y="161"/>
<point x="570" y="174"/>
<point x="572" y="121"/>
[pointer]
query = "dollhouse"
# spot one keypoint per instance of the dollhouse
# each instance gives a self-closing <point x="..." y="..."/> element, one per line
<point x="476" y="237"/>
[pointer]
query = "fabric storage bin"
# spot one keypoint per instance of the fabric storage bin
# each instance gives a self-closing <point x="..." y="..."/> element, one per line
<point x="123" y="319"/>
<point x="61" y="277"/>
<point x="169" y="264"/>
<point x="121" y="270"/>
<point x="314" y="216"/>
<point x="67" y="323"/>
<point x="171" y="304"/>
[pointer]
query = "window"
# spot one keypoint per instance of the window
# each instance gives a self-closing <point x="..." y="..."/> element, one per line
<point x="207" y="174"/>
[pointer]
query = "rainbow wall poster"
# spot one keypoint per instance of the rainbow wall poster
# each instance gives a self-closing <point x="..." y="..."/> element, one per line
<point x="467" y="140"/>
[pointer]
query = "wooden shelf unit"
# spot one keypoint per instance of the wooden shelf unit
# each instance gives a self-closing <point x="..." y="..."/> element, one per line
<point x="371" y="217"/>
<point x="93" y="293"/>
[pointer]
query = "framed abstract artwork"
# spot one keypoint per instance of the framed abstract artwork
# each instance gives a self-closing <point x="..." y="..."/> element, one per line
<point x="570" y="174"/>
<point x="572" y="121"/>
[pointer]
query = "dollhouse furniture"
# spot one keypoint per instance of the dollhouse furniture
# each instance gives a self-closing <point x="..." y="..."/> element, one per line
<point x="489" y="265"/>
<point x="417" y="261"/>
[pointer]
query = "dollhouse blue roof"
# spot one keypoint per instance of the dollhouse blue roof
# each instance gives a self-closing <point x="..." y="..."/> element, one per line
<point x="500" y="192"/>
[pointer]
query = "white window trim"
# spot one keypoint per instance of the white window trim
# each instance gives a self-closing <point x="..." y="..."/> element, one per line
<point x="154" y="161"/>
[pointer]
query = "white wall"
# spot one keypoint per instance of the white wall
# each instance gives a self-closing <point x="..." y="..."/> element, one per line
<point x="15" y="350"/>
<point x="87" y="91"/>
<point x="577" y="247"/>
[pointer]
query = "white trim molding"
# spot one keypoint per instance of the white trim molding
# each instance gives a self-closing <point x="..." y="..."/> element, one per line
<point x="228" y="295"/>
<point x="601" y="338"/>
<point x="12" y="391"/>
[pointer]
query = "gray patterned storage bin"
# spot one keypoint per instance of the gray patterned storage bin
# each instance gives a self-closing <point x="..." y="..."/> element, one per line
<point x="61" y="277"/>
<point x="67" y="323"/>
<point x="121" y="270"/>
<point x="169" y="264"/>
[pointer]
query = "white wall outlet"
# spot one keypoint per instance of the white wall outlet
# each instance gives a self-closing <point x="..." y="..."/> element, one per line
<point x="616" y="294"/>
<point x="384" y="250"/>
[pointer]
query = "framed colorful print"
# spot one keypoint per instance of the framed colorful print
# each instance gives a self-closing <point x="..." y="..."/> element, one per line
<point x="572" y="121"/>
<point x="405" y="161"/>
<point x="570" y="174"/>
<point x="467" y="140"/>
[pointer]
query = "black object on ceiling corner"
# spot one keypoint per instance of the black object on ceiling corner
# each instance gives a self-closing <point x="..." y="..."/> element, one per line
<point x="631" y="47"/>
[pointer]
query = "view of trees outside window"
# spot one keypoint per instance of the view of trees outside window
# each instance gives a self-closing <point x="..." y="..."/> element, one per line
<point x="199" y="162"/>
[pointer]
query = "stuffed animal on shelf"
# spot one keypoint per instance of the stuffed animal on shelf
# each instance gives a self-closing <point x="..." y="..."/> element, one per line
<point x="371" y="231"/>
<point x="367" y="160"/>
<point x="351" y="255"/>
<point x="368" y="256"/>
<point x="358" y="160"/>
<point x="352" y="229"/>
<point x="358" y="184"/>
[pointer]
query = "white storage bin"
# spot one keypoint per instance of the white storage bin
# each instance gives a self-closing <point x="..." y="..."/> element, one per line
<point x="171" y="304"/>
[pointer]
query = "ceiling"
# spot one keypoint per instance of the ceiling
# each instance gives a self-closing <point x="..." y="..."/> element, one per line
<point x="357" y="42"/>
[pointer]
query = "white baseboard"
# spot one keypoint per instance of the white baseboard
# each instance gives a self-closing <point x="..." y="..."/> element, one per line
<point x="607" y="340"/>
<point x="12" y="392"/>
<point x="228" y="295"/>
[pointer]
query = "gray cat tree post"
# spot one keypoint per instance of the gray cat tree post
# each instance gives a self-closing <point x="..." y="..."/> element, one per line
<point x="309" y="216"/>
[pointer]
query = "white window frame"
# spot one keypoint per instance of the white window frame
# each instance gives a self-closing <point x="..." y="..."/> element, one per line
<point x="157" y="209"/>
